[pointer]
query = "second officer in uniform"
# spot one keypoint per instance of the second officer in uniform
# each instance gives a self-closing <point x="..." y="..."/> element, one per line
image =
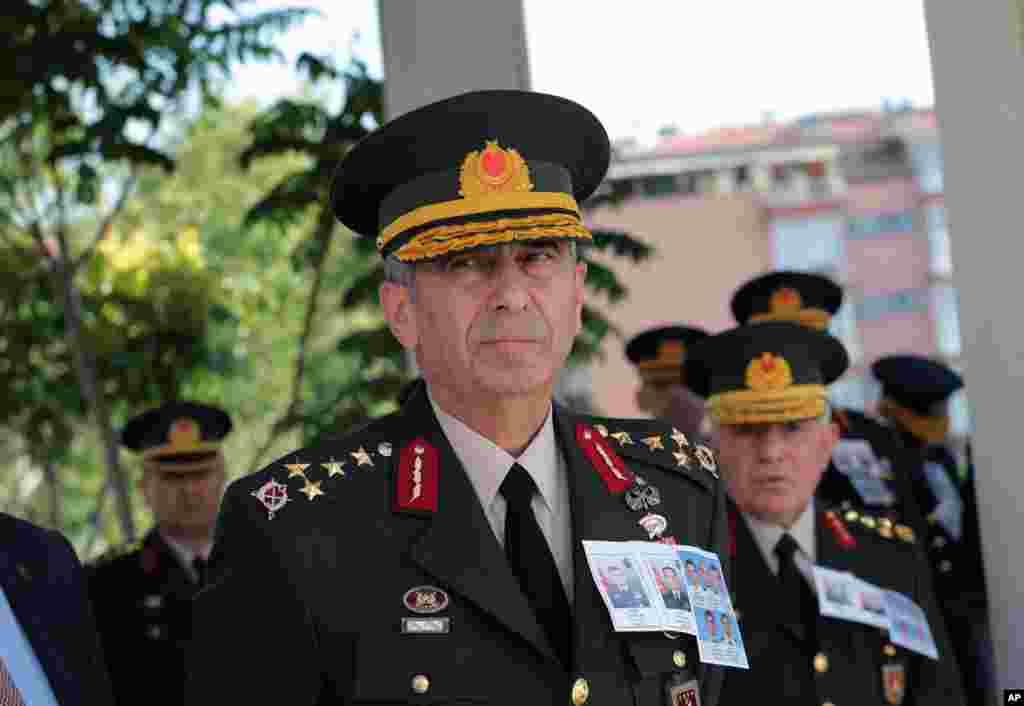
<point x="142" y="594"/>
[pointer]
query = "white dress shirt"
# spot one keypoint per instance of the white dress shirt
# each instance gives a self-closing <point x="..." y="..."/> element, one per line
<point x="487" y="465"/>
<point x="767" y="536"/>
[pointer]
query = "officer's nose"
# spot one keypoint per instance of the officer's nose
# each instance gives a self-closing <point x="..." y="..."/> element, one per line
<point x="510" y="284"/>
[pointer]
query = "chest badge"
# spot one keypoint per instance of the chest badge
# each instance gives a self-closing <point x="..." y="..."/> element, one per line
<point x="273" y="496"/>
<point x="425" y="600"/>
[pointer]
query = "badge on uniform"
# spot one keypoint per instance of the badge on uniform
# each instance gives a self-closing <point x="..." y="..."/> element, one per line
<point x="683" y="694"/>
<point x="426" y="601"/>
<point x="894" y="683"/>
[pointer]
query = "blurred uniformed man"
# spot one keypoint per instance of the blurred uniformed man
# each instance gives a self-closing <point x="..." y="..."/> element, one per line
<point x="142" y="593"/>
<point x="869" y="466"/>
<point x="658" y="355"/>
<point x="435" y="556"/>
<point x="915" y="399"/>
<point x="766" y="388"/>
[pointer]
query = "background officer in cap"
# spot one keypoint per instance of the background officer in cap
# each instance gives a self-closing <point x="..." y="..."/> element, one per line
<point x="869" y="466"/>
<point x="142" y="594"/>
<point x="465" y="509"/>
<point x="915" y="400"/>
<point x="766" y="387"/>
<point x="658" y="355"/>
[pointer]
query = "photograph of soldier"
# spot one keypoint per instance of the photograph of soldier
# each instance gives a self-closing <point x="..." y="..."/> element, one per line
<point x="624" y="587"/>
<point x="673" y="595"/>
<point x="766" y="385"/>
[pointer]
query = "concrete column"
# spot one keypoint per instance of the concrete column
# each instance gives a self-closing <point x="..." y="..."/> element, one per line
<point x="434" y="49"/>
<point x="978" y="60"/>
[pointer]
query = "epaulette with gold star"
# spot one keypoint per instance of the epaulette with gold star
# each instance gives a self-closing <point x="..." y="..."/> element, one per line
<point x="857" y="520"/>
<point x="668" y="448"/>
<point x="308" y="475"/>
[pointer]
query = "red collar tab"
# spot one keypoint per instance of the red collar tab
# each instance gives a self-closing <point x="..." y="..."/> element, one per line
<point x="416" y="480"/>
<point x="839" y="531"/>
<point x="605" y="461"/>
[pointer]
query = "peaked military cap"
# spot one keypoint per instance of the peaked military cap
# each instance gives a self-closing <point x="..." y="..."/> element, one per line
<point x="915" y="382"/>
<point x="784" y="295"/>
<point x="766" y="372"/>
<point x="180" y="434"/>
<point x="659" y="352"/>
<point x="477" y="169"/>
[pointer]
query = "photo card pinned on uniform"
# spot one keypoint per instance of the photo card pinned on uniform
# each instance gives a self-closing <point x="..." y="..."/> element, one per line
<point x="618" y="576"/>
<point x="909" y="625"/>
<point x="856" y="460"/>
<point x="718" y="631"/>
<point x="837" y="594"/>
<point x="664" y="570"/>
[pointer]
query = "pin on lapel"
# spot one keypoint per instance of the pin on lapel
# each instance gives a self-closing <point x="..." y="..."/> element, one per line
<point x="654" y="524"/>
<point x="642" y="495"/>
<point x="273" y="496"/>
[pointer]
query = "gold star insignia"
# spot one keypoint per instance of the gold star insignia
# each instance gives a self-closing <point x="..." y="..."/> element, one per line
<point x="653" y="443"/>
<point x="680" y="438"/>
<point x="682" y="458"/>
<point x="362" y="458"/>
<point x="334" y="468"/>
<point x="311" y="489"/>
<point x="622" y="437"/>
<point x="296" y="469"/>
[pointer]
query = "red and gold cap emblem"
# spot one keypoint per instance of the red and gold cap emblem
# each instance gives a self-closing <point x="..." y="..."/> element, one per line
<point x="184" y="433"/>
<point x="493" y="170"/>
<point x="769" y="372"/>
<point x="786" y="300"/>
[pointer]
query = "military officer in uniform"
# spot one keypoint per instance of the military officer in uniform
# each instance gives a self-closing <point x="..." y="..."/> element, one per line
<point x="869" y="466"/>
<point x="915" y="399"/>
<point x="658" y="355"/>
<point x="436" y="556"/>
<point x="674" y="595"/>
<point x="766" y="388"/>
<point x="142" y="594"/>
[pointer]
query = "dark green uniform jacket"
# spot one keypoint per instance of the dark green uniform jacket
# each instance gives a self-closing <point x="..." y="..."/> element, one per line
<point x="851" y="663"/>
<point x="307" y="607"/>
<point x="143" y="600"/>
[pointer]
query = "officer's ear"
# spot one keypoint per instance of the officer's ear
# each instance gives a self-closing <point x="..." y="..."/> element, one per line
<point x="396" y="299"/>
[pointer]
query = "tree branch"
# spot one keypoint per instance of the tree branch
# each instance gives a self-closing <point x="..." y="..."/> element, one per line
<point x="323" y="234"/>
<point x="105" y="225"/>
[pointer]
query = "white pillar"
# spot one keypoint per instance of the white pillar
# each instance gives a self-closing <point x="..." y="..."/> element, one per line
<point x="435" y="49"/>
<point x="978" y="61"/>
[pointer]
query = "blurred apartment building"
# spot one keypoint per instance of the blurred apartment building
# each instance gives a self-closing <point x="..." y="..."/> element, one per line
<point x="857" y="196"/>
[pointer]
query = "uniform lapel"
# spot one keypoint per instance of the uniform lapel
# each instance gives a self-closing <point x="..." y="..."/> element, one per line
<point x="596" y="514"/>
<point x="458" y="546"/>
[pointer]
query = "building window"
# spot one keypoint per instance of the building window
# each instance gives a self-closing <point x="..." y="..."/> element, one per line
<point x="926" y="158"/>
<point x="947" y="320"/>
<point x="938" y="240"/>
<point x="879" y="306"/>
<point x="660" y="185"/>
<point x="844" y="327"/>
<point x="812" y="243"/>
<point x="880" y="224"/>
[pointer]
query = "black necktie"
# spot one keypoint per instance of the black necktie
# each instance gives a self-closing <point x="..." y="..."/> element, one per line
<point x="801" y="603"/>
<point x="533" y="564"/>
